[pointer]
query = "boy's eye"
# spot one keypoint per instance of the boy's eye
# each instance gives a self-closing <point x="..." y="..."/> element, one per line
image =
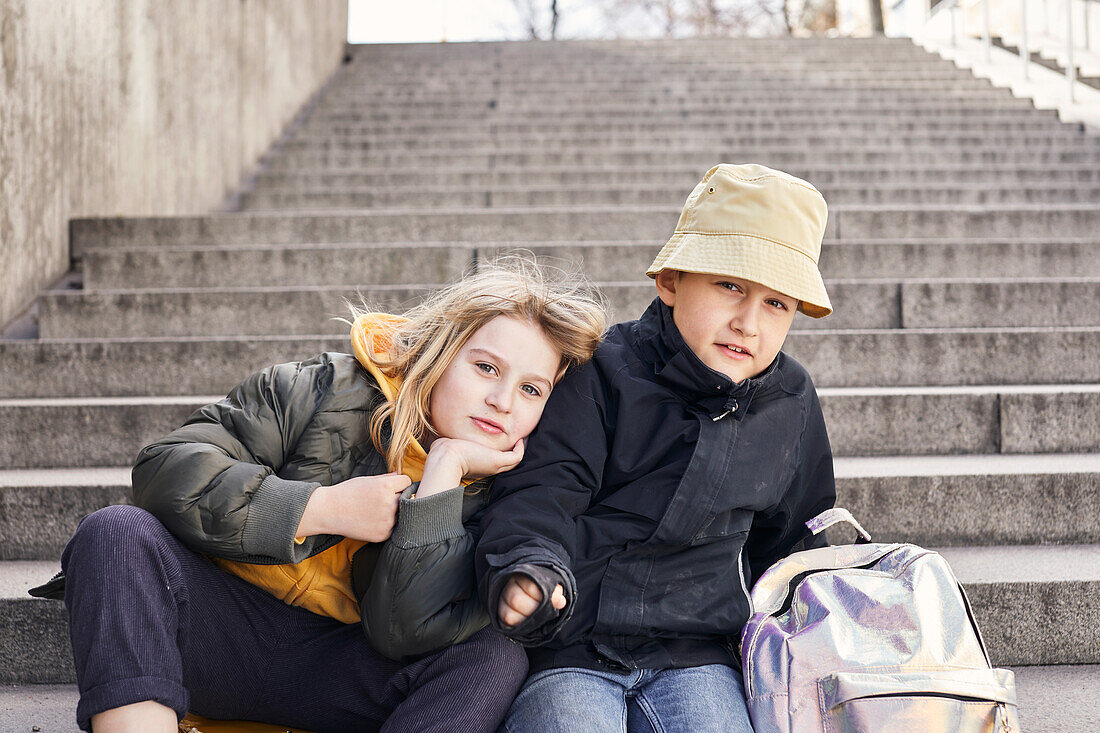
<point x="778" y="304"/>
<point x="486" y="367"/>
<point x="731" y="286"/>
<point x="531" y="390"/>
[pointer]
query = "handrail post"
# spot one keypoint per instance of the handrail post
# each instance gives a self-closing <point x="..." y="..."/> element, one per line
<point x="1085" y="23"/>
<point x="987" y="37"/>
<point x="1025" y="53"/>
<point x="1071" y="70"/>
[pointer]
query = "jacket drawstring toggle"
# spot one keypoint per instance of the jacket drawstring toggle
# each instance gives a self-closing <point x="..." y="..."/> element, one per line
<point x="730" y="407"/>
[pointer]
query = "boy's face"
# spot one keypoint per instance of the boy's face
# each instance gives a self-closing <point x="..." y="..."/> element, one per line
<point x="734" y="326"/>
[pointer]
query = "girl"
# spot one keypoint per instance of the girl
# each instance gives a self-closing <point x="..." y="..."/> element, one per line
<point x="334" y="487"/>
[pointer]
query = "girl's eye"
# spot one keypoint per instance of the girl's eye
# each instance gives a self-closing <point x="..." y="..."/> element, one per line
<point x="486" y="367"/>
<point x="531" y="390"/>
<point x="778" y="304"/>
<point x="731" y="286"/>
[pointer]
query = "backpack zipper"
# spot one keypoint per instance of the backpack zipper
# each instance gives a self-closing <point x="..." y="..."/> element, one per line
<point x="792" y="586"/>
<point x="1001" y="708"/>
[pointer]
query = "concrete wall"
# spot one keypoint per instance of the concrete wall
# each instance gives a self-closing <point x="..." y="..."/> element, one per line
<point x="138" y="107"/>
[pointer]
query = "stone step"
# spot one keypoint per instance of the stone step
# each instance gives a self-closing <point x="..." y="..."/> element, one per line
<point x="678" y="77"/>
<point x="863" y="421"/>
<point x="454" y="84"/>
<point x="843" y="120"/>
<point x="1004" y="108"/>
<point x="631" y="80"/>
<point x="587" y="223"/>
<point x="681" y="175"/>
<point x="976" y="498"/>
<point x="674" y="138"/>
<point x="701" y="65"/>
<point x="259" y="265"/>
<point x="895" y="111"/>
<point x="1035" y="605"/>
<point x="1052" y="699"/>
<point x="576" y="102"/>
<point x="474" y="73"/>
<point x="41" y="508"/>
<point x="669" y="84"/>
<point x="649" y="48"/>
<point x="295" y="309"/>
<point x="1026" y="597"/>
<point x="608" y="63"/>
<point x="443" y="130"/>
<point x="700" y="158"/>
<point x="272" y="265"/>
<point x="370" y="198"/>
<point x="911" y="357"/>
<point x="702" y="70"/>
<point x="615" y="56"/>
<point x="529" y="94"/>
<point x="158" y="366"/>
<point x="448" y="77"/>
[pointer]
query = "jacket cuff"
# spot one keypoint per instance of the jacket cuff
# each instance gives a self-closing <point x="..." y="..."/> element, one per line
<point x="430" y="520"/>
<point x="545" y="621"/>
<point x="273" y="517"/>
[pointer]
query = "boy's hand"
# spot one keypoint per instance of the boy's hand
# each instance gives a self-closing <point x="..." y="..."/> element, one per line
<point x="361" y="508"/>
<point x="451" y="459"/>
<point x="521" y="596"/>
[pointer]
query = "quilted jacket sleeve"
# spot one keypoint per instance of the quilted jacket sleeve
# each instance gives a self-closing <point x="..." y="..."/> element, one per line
<point x="417" y="590"/>
<point x="213" y="482"/>
<point x="781" y="530"/>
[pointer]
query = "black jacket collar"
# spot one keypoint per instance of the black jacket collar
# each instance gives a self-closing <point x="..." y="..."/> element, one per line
<point x="658" y="342"/>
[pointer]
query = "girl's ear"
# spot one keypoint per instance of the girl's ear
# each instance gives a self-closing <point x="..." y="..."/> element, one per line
<point x="666" y="286"/>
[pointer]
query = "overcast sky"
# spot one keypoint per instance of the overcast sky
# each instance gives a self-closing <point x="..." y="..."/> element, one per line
<point x="417" y="21"/>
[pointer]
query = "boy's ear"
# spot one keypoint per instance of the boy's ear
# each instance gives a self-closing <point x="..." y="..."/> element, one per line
<point x="666" y="286"/>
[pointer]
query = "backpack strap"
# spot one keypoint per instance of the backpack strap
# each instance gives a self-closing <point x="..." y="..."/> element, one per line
<point x="829" y="517"/>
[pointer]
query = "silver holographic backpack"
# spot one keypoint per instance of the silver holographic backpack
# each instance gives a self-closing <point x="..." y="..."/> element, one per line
<point x="869" y="638"/>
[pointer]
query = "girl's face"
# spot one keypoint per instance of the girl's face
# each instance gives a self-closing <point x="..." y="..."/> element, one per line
<point x="494" y="390"/>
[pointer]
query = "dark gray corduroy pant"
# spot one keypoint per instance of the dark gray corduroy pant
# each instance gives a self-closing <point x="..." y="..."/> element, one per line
<point x="151" y="620"/>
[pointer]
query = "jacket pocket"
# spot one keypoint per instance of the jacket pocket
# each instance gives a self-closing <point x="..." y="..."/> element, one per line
<point x="931" y="700"/>
<point x="724" y="524"/>
<point x="698" y="590"/>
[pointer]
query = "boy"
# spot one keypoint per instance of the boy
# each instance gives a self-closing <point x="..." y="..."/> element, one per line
<point x="666" y="475"/>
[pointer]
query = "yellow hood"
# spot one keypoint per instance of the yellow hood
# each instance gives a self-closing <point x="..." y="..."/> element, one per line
<point x="372" y="336"/>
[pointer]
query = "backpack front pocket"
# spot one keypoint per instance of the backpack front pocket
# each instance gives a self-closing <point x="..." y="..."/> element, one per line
<point x="927" y="701"/>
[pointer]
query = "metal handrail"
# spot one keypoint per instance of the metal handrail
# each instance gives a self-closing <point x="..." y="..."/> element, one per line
<point x="953" y="6"/>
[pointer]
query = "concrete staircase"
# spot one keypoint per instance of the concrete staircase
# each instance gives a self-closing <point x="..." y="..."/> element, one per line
<point x="960" y="374"/>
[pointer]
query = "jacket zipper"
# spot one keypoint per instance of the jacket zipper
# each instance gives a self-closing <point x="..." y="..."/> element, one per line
<point x="744" y="585"/>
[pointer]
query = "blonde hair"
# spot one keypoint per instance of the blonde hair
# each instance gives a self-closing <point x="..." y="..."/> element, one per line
<point x="568" y="310"/>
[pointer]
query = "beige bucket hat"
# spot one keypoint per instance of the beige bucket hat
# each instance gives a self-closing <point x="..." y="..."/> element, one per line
<point x="755" y="223"/>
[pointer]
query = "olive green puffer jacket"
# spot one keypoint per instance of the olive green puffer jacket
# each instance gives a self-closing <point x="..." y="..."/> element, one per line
<point x="234" y="480"/>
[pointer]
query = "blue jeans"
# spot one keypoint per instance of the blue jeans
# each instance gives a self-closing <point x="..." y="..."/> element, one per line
<point x="577" y="700"/>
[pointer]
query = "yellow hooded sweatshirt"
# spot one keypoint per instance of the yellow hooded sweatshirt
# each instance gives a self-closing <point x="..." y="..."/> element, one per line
<point x="322" y="583"/>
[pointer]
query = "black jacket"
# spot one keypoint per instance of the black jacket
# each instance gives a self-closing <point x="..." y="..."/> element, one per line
<point x="655" y="489"/>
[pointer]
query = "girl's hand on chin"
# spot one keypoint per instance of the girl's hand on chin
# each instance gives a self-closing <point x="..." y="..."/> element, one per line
<point x="452" y="459"/>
